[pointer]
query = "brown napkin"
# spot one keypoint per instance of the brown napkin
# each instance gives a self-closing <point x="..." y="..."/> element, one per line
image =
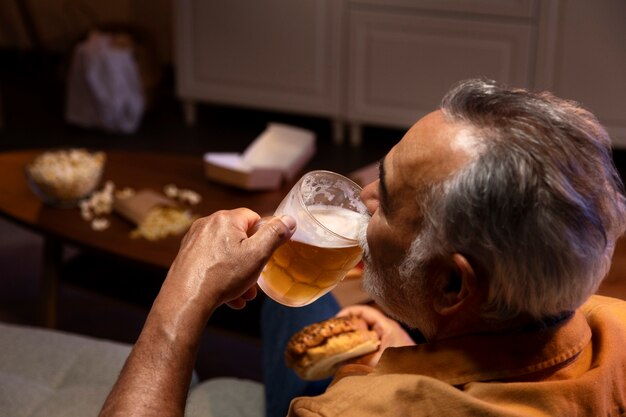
<point x="136" y="207"/>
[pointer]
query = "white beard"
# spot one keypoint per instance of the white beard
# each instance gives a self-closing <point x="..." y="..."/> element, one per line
<point x="398" y="291"/>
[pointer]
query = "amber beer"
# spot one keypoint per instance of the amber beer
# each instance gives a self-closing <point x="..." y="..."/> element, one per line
<point x="300" y="272"/>
<point x="328" y="211"/>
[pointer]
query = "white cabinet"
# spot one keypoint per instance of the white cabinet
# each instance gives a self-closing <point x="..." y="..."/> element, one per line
<point x="272" y="54"/>
<point x="583" y="58"/>
<point x="401" y="64"/>
<point x="388" y="62"/>
<point x="404" y="55"/>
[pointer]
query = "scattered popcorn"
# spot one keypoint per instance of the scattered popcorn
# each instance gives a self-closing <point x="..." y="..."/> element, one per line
<point x="189" y="197"/>
<point x="125" y="192"/>
<point x="163" y="221"/>
<point x="160" y="221"/>
<point x="100" y="202"/>
<point x="100" y="224"/>
<point x="86" y="213"/>
<point x="182" y="195"/>
<point x="171" y="191"/>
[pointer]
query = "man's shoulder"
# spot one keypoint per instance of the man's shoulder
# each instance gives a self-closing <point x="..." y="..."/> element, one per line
<point x="387" y="395"/>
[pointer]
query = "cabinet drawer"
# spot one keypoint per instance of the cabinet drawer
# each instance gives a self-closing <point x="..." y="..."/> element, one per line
<point x="400" y="66"/>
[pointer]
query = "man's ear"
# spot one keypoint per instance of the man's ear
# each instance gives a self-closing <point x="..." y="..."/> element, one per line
<point x="457" y="286"/>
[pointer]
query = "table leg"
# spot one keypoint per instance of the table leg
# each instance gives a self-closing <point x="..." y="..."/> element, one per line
<point x="356" y="134"/>
<point x="191" y="112"/>
<point x="338" y="127"/>
<point x="1" y="118"/>
<point x="50" y="276"/>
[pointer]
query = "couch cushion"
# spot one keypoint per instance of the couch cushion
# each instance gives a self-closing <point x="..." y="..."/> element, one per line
<point x="226" y="397"/>
<point x="46" y="373"/>
<point x="51" y="373"/>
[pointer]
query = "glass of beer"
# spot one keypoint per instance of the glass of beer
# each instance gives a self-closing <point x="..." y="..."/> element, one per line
<point x="327" y="208"/>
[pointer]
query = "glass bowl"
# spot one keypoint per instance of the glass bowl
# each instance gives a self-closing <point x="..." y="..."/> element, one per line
<point x="62" y="178"/>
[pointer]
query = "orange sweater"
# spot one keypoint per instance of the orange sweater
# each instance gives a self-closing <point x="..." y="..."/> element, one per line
<point x="575" y="368"/>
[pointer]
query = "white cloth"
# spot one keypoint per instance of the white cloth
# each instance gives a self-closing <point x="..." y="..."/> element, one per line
<point x="104" y="88"/>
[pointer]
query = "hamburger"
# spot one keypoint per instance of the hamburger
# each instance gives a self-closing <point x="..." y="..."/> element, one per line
<point x="316" y="350"/>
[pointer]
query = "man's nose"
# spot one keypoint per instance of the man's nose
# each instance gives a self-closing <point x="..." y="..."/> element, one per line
<point x="369" y="196"/>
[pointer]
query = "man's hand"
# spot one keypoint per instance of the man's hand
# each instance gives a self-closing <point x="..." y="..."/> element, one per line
<point x="390" y="332"/>
<point x="217" y="263"/>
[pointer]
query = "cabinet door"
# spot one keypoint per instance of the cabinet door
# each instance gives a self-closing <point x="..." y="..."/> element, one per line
<point x="583" y="58"/>
<point x="275" y="54"/>
<point x="400" y="65"/>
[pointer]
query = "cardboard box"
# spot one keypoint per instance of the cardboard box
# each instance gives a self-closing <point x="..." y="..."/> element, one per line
<point x="278" y="154"/>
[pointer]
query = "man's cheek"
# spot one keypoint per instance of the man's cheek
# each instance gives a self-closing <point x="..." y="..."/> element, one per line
<point x="381" y="241"/>
<point x="378" y="250"/>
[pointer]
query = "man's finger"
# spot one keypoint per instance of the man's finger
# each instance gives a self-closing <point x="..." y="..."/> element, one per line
<point x="236" y="304"/>
<point x="250" y="294"/>
<point x="274" y="232"/>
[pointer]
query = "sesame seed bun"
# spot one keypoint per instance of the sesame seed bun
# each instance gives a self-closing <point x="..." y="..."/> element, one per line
<point x="315" y="351"/>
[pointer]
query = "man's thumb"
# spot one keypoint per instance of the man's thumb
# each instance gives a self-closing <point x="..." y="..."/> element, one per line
<point x="275" y="231"/>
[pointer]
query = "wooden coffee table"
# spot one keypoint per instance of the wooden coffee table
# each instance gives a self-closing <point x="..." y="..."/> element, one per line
<point x="150" y="170"/>
<point x="138" y="170"/>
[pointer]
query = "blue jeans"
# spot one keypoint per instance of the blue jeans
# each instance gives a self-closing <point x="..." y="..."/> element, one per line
<point x="278" y="324"/>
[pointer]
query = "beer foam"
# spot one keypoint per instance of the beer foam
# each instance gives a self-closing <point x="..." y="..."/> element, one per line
<point x="340" y="221"/>
<point x="327" y="188"/>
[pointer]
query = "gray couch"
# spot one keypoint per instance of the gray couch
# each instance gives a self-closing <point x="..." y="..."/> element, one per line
<point x="47" y="373"/>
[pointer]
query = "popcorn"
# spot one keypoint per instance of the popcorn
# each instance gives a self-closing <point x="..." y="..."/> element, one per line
<point x="67" y="175"/>
<point x="85" y="212"/>
<point x="189" y="197"/>
<point x="171" y="191"/>
<point x="124" y="193"/>
<point x="100" y="203"/>
<point x="100" y="224"/>
<point x="182" y="195"/>
<point x="161" y="222"/>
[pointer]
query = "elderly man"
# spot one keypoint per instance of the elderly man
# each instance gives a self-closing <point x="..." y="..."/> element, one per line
<point x="492" y="224"/>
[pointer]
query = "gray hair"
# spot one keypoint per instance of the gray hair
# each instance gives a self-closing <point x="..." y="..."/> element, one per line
<point x="538" y="209"/>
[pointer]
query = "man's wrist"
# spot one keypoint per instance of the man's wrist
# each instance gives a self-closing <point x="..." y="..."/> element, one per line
<point x="181" y="316"/>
